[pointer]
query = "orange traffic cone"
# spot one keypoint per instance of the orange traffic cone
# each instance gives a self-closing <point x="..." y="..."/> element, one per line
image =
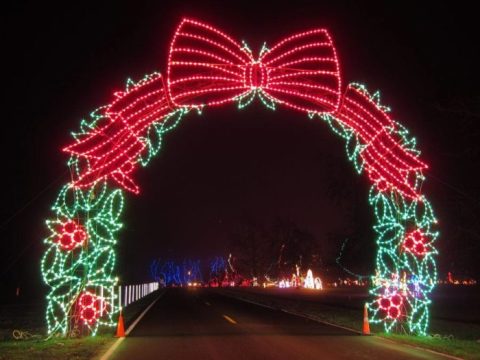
<point x="120" y="326"/>
<point x="366" y="324"/>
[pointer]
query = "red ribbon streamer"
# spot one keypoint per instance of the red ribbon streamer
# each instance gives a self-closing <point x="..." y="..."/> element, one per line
<point x="206" y="67"/>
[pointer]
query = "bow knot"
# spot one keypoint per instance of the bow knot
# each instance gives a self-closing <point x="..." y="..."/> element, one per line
<point x="256" y="75"/>
<point x="208" y="67"/>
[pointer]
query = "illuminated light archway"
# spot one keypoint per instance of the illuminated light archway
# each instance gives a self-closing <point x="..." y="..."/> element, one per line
<point x="208" y="68"/>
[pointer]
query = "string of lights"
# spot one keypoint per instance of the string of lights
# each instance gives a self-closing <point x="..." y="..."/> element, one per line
<point x="206" y="68"/>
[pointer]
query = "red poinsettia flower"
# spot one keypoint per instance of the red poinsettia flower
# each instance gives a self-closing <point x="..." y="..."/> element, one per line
<point x="70" y="235"/>
<point x="416" y="243"/>
<point x="91" y="307"/>
<point x="391" y="305"/>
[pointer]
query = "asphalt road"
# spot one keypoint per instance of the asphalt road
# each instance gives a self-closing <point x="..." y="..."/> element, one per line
<point x="201" y="324"/>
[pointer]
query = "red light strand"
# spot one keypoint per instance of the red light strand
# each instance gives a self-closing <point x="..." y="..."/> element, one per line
<point x="206" y="67"/>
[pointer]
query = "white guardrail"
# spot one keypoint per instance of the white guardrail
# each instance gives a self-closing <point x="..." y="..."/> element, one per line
<point x="128" y="294"/>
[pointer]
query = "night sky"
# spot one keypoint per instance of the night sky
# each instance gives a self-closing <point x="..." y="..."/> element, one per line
<point x="214" y="170"/>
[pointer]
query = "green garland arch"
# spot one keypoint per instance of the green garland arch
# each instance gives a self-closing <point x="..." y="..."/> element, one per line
<point x="79" y="261"/>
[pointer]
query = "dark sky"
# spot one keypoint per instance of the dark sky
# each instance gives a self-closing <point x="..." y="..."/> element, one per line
<point x="60" y="63"/>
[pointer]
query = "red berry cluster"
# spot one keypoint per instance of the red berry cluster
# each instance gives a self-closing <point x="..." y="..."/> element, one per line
<point x="391" y="305"/>
<point x="71" y="235"/>
<point x="416" y="243"/>
<point x="91" y="306"/>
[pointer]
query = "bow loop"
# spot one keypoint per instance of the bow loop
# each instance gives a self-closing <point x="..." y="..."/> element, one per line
<point x="208" y="67"/>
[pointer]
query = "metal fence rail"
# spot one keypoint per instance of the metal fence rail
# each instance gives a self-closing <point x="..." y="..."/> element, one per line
<point x="128" y="294"/>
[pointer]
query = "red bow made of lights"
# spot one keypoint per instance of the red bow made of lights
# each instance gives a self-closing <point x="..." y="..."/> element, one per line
<point x="206" y="67"/>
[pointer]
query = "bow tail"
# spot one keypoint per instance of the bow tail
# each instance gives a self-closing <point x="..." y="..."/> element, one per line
<point x="112" y="149"/>
<point x="389" y="164"/>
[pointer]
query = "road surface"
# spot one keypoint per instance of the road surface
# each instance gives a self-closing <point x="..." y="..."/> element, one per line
<point x="201" y="324"/>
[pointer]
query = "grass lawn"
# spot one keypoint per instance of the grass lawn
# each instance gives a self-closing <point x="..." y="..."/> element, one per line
<point x="61" y="348"/>
<point x="78" y="349"/>
<point x="466" y="349"/>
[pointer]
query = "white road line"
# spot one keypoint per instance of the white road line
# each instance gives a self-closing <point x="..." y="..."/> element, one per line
<point x="229" y="319"/>
<point x="130" y="328"/>
<point x="112" y="348"/>
<point x="250" y="301"/>
<point x="420" y="348"/>
<point x="292" y="313"/>
<point x="343" y="327"/>
<point x="320" y="321"/>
